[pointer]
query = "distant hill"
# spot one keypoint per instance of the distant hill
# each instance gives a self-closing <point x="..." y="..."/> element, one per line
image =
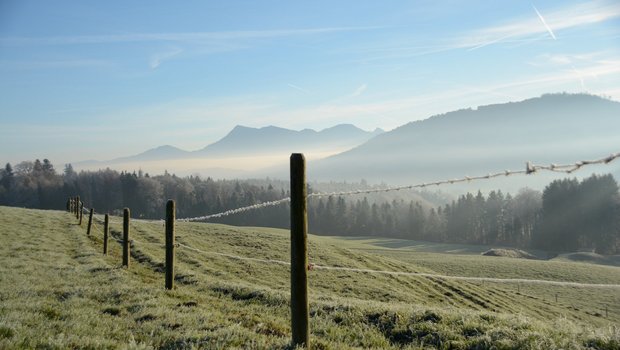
<point x="244" y="141"/>
<point x="551" y="128"/>
<point x="161" y="152"/>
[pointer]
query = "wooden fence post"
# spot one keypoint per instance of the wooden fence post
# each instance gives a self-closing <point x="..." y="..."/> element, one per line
<point x="81" y="212"/>
<point x="299" y="252"/>
<point x="170" y="217"/>
<point x="69" y="204"/>
<point x="106" y="230"/>
<point x="126" y="237"/>
<point x="90" y="221"/>
<point x="77" y="207"/>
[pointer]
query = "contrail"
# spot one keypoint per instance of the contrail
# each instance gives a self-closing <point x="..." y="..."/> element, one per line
<point x="489" y="42"/>
<point x="545" y="23"/>
<point x="298" y="88"/>
<point x="583" y="86"/>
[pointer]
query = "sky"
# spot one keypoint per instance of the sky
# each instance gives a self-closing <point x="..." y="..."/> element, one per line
<point x="103" y="79"/>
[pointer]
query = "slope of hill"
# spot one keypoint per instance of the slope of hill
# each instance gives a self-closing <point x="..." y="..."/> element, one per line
<point x="55" y="279"/>
<point x="552" y="128"/>
<point x="161" y="152"/>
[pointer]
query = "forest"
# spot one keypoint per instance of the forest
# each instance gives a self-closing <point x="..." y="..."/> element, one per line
<point x="568" y="215"/>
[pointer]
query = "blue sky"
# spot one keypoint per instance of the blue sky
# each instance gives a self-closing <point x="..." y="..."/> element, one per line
<point x="102" y="79"/>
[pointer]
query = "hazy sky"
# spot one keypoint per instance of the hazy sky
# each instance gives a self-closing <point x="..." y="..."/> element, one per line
<point x="102" y="79"/>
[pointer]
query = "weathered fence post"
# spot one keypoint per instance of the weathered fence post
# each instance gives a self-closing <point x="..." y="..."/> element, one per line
<point x="299" y="252"/>
<point x="69" y="204"/>
<point x="170" y="217"/>
<point x="556" y="297"/>
<point x="106" y="230"/>
<point x="77" y="207"/>
<point x="81" y="212"/>
<point x="90" y="221"/>
<point x="126" y="237"/>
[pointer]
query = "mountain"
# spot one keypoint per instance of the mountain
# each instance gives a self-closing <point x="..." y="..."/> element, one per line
<point x="246" y="141"/>
<point x="554" y="128"/>
<point x="153" y="154"/>
<point x="161" y="152"/>
<point x="241" y="150"/>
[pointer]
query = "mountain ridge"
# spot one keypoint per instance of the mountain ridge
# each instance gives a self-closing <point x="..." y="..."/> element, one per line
<point x="243" y="140"/>
<point x="545" y="129"/>
<point x="246" y="141"/>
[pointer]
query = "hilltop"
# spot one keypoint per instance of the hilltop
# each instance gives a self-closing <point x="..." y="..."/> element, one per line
<point x="553" y="128"/>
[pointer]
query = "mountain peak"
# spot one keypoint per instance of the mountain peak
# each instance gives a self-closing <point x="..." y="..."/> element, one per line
<point x="378" y="131"/>
<point x="273" y="139"/>
<point x="240" y="129"/>
<point x="343" y="127"/>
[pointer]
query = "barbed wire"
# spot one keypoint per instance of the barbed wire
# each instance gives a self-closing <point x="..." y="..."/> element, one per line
<point x="529" y="169"/>
<point x="466" y="278"/>
<point x="238" y="210"/>
<point x="236" y="257"/>
<point x="407" y="273"/>
<point x="133" y="242"/>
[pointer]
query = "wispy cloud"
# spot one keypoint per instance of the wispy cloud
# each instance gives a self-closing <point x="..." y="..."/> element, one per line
<point x="360" y="90"/>
<point x="192" y="43"/>
<point x="491" y="42"/>
<point x="515" y="31"/>
<point x="158" y="58"/>
<point x="54" y="64"/>
<point x="298" y="88"/>
<point x="568" y="17"/>
<point x="561" y="59"/>
<point x="396" y="111"/>
<point x="187" y="37"/>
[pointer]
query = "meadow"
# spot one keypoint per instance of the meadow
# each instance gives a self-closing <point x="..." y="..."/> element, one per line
<point x="59" y="291"/>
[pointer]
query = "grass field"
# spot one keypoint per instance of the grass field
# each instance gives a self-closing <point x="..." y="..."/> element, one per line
<point x="58" y="291"/>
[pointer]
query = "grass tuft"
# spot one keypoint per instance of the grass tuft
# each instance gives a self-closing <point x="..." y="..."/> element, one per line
<point x="6" y="332"/>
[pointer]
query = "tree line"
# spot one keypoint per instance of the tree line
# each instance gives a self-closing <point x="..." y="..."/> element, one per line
<point x="568" y="215"/>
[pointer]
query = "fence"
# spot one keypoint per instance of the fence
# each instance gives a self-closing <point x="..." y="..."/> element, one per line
<point x="299" y="264"/>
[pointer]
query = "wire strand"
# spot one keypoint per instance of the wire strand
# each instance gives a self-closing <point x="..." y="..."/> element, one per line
<point x="529" y="169"/>
<point x="407" y="273"/>
<point x="236" y="257"/>
<point x="465" y="278"/>
<point x="238" y="210"/>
